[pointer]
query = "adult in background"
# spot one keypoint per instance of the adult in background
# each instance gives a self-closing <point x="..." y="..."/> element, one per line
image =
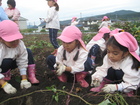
<point x="3" y="15"/>
<point x="12" y="12"/>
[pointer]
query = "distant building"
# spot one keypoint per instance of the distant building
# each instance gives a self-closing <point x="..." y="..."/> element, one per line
<point x="22" y="23"/>
<point x="41" y="26"/>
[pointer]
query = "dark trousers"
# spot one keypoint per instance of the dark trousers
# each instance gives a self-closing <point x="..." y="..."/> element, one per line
<point x="53" y="37"/>
<point x="9" y="63"/>
<point x="115" y="75"/>
<point x="51" y="61"/>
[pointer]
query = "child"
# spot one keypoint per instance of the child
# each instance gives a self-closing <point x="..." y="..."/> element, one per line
<point x="12" y="12"/>
<point x="13" y="54"/>
<point x="71" y="57"/>
<point x="105" y="22"/>
<point x="120" y="69"/>
<point x="96" y="45"/>
<point x="3" y="15"/>
<point x="52" y="23"/>
<point x="74" y="21"/>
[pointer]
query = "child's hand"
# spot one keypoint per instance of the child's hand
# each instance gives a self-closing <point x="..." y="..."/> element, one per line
<point x="8" y="88"/>
<point x="95" y="83"/>
<point x="42" y="19"/>
<point x="110" y="88"/>
<point x="60" y="68"/>
<point x="25" y="84"/>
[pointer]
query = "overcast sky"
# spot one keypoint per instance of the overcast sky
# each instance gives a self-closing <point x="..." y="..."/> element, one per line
<point x="34" y="9"/>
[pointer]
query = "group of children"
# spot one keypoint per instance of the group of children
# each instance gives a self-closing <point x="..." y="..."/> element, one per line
<point x="118" y="52"/>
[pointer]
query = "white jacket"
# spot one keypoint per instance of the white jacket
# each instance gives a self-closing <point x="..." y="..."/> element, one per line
<point x="100" y="42"/>
<point x="74" y="23"/>
<point x="19" y="53"/>
<point x="52" y="20"/>
<point x="131" y="78"/>
<point x="78" y="65"/>
<point x="104" y="24"/>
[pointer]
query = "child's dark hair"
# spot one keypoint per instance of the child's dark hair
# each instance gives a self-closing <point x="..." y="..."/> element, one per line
<point x="12" y="3"/>
<point x="106" y="36"/>
<point x="56" y="7"/>
<point x="112" y="41"/>
<point x="76" y="56"/>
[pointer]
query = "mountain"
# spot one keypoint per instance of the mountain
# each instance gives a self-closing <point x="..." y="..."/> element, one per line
<point x="123" y="12"/>
<point x="124" y="15"/>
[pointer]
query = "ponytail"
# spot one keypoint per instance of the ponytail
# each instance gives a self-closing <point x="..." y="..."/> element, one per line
<point x="76" y="56"/>
<point x="136" y="64"/>
<point x="64" y="55"/>
<point x="56" y="7"/>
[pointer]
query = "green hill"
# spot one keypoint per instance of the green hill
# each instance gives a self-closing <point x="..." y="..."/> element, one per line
<point x="122" y="15"/>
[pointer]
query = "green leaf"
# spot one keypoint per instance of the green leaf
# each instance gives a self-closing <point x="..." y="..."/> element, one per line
<point x="63" y="87"/>
<point x="49" y="88"/>
<point x="105" y="102"/>
<point x="56" y="98"/>
<point x="54" y="90"/>
<point x="18" y="79"/>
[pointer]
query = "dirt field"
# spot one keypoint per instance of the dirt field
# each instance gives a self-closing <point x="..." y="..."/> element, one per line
<point x="51" y="91"/>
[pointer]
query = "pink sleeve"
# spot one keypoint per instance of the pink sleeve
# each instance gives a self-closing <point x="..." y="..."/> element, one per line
<point x="16" y="14"/>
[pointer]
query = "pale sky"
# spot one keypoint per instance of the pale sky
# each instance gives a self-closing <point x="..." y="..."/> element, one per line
<point x="34" y="9"/>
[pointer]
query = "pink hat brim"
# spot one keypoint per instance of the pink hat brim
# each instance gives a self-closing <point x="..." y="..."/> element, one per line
<point x="105" y="17"/>
<point x="135" y="55"/>
<point x="68" y="40"/>
<point x="98" y="36"/>
<point x="82" y="43"/>
<point x="65" y="39"/>
<point x="12" y="38"/>
<point x="120" y="41"/>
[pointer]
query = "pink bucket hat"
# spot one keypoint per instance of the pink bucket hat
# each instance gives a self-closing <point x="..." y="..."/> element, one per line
<point x="71" y="33"/>
<point x="9" y="31"/>
<point x="127" y="40"/>
<point x="117" y="30"/>
<point x="105" y="17"/>
<point x="55" y="1"/>
<point x="73" y="19"/>
<point x="52" y="0"/>
<point x="100" y="33"/>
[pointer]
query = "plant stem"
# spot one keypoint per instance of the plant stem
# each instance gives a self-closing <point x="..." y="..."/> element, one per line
<point x="12" y="98"/>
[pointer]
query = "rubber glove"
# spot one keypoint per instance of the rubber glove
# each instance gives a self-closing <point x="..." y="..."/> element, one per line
<point x="60" y="69"/>
<point x="25" y="84"/>
<point x="8" y="88"/>
<point x="110" y="88"/>
<point x="95" y="83"/>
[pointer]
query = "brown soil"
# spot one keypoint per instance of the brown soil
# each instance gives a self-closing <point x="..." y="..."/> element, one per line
<point x="68" y="93"/>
